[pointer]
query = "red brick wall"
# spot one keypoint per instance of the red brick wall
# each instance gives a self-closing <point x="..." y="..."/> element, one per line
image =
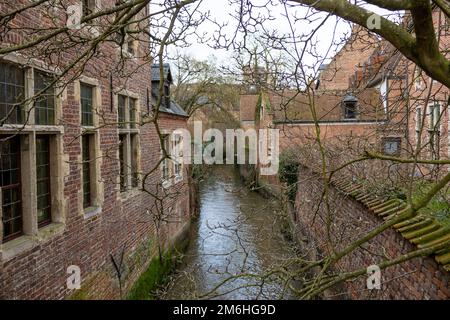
<point x="40" y="273"/>
<point x="419" y="278"/>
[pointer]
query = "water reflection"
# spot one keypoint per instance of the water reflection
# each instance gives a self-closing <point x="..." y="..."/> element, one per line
<point x="237" y="234"/>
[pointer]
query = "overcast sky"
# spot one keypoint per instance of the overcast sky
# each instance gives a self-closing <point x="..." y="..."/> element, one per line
<point x="221" y="11"/>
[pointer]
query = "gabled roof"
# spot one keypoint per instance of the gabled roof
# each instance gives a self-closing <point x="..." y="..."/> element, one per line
<point x="156" y="72"/>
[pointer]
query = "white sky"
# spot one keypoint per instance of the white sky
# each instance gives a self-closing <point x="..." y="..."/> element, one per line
<point x="221" y="10"/>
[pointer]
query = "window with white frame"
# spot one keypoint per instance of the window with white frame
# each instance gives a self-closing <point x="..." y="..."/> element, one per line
<point x="165" y="168"/>
<point x="419" y="122"/>
<point x="29" y="174"/>
<point x="177" y="141"/>
<point x="434" y="114"/>
<point x="418" y="80"/>
<point x="128" y="142"/>
<point x="434" y="129"/>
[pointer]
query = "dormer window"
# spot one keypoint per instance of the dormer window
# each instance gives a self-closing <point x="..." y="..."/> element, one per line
<point x="350" y="104"/>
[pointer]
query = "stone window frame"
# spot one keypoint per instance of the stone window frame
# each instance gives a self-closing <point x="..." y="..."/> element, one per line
<point x="132" y="150"/>
<point x="96" y="188"/>
<point x="32" y="233"/>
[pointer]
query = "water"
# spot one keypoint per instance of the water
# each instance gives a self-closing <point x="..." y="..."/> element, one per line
<point x="236" y="240"/>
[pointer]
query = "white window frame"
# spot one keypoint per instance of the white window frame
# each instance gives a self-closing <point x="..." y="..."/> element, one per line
<point x="177" y="146"/>
<point x="166" y="180"/>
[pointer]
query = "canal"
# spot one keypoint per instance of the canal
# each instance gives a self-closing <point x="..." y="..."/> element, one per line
<point x="237" y="235"/>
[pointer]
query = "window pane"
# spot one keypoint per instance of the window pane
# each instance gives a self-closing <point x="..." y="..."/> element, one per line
<point x="132" y="113"/>
<point x="43" y="180"/>
<point x="86" y="92"/>
<point x="45" y="103"/>
<point x="121" y="111"/>
<point x="12" y="93"/>
<point x="11" y="187"/>
<point x="122" y="166"/>
<point x="86" y="157"/>
<point x="134" y="164"/>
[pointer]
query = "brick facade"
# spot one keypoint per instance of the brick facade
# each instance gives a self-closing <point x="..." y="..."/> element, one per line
<point x="34" y="265"/>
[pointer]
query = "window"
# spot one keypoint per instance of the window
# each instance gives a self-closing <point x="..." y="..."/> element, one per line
<point x="128" y="142"/>
<point x="44" y="106"/>
<point x="435" y="115"/>
<point x="86" y="98"/>
<point x="122" y="152"/>
<point x="445" y="27"/>
<point x="165" y="162"/>
<point x="10" y="179"/>
<point x="12" y="93"/>
<point x="132" y="110"/>
<point x="392" y="146"/>
<point x="88" y="7"/>
<point x="121" y="106"/>
<point x="419" y="122"/>
<point x="28" y="178"/>
<point x="86" y="169"/>
<point x="178" y="157"/>
<point x="350" y="110"/>
<point x="43" y="180"/>
<point x="418" y="80"/>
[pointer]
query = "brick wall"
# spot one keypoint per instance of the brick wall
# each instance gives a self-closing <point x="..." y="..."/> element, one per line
<point x="419" y="278"/>
<point x="38" y="268"/>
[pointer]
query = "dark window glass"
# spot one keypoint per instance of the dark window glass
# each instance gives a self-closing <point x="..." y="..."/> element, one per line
<point x="44" y="106"/>
<point x="123" y="178"/>
<point x="43" y="180"/>
<point x="132" y="107"/>
<point x="121" y="106"/>
<point x="86" y="158"/>
<point x="130" y="45"/>
<point x="350" y="110"/>
<point x="88" y="7"/>
<point x="134" y="164"/>
<point x="10" y="187"/>
<point x="12" y="93"/>
<point x="87" y="118"/>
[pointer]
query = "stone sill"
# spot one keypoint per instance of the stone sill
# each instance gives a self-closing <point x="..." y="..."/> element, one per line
<point x="91" y="212"/>
<point x="24" y="243"/>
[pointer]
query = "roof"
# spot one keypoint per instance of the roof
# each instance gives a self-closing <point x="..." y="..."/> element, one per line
<point x="156" y="72"/>
<point x="174" y="109"/>
<point x="421" y="230"/>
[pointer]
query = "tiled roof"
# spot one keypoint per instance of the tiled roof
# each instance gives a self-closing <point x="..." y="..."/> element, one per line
<point x="422" y="230"/>
<point x="175" y="108"/>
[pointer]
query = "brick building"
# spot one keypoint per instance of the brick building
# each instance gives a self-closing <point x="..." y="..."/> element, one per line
<point x="370" y="92"/>
<point x="75" y="160"/>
